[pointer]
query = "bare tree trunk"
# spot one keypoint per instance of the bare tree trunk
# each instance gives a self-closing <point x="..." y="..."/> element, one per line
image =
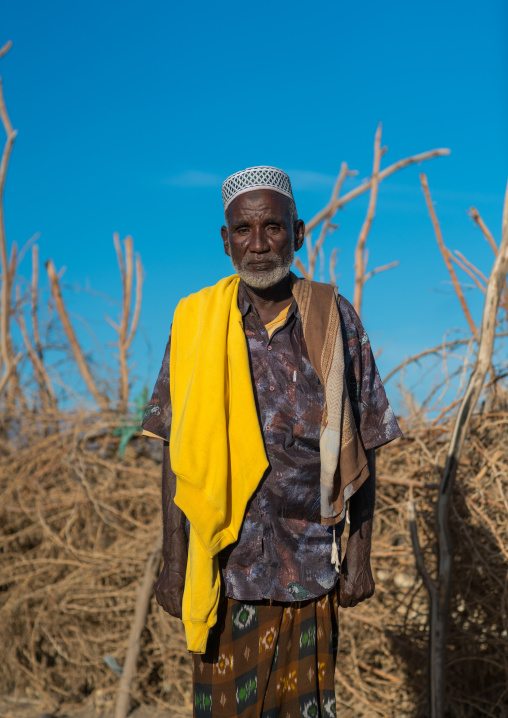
<point x="439" y="587"/>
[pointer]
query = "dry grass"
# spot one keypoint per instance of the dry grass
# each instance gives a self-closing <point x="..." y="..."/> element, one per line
<point x="384" y="642"/>
<point x="78" y="525"/>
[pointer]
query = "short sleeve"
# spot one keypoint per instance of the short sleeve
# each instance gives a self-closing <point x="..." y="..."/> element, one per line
<point x="374" y="417"/>
<point x="157" y="419"/>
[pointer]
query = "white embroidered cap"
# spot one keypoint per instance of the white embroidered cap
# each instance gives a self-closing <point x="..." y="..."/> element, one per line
<point x="255" y="178"/>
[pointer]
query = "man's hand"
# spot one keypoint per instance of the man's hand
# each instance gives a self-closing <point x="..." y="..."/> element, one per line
<point x="356" y="581"/>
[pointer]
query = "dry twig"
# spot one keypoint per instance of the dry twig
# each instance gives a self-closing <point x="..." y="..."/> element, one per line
<point x="475" y="215"/>
<point x="126" y="334"/>
<point x="7" y="357"/>
<point x="360" y="253"/>
<point x="446" y="255"/>
<point x="100" y="398"/>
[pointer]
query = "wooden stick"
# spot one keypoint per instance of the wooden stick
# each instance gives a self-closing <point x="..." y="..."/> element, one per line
<point x="100" y="398"/>
<point x="383" y="268"/>
<point x="439" y="588"/>
<point x="333" y="263"/>
<point x="35" y="300"/>
<point x="471" y="266"/>
<point x="126" y="334"/>
<point x="6" y="352"/>
<point x="313" y="251"/>
<point x="360" y="256"/>
<point x="420" y="563"/>
<point x="473" y="212"/>
<point x="5" y="49"/>
<point x="475" y="215"/>
<point x="137" y="303"/>
<point x="39" y="369"/>
<point x="9" y="371"/>
<point x="445" y="253"/>
<point x="466" y="269"/>
<point x="126" y="274"/>
<point x="301" y="267"/>
<point x="142" y="604"/>
<point x="13" y="260"/>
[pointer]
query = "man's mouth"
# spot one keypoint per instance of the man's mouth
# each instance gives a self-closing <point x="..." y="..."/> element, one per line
<point x="260" y="266"/>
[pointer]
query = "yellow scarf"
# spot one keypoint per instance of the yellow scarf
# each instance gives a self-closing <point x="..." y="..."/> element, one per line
<point x="216" y="446"/>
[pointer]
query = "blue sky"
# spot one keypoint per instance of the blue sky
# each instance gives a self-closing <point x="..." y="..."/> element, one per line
<point x="131" y="114"/>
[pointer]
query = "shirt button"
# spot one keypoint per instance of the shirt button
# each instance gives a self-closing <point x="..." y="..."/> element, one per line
<point x="272" y="388"/>
<point x="270" y="348"/>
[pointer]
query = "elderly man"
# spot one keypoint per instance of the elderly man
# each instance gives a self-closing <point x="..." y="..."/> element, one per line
<point x="272" y="407"/>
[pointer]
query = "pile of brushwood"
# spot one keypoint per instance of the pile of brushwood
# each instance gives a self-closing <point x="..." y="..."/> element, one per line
<point x="77" y="525"/>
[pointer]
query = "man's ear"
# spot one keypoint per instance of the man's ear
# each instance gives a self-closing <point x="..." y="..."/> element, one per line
<point x="225" y="238"/>
<point x="299" y="234"/>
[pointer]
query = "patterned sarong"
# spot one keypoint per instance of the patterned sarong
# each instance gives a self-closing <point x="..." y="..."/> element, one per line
<point x="269" y="661"/>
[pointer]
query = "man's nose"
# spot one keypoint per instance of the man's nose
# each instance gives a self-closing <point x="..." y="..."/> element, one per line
<point x="258" y="241"/>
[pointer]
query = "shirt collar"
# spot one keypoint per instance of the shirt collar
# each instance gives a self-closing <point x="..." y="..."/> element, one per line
<point x="245" y="304"/>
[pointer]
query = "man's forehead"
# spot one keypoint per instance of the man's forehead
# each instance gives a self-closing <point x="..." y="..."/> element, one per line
<point x="258" y="202"/>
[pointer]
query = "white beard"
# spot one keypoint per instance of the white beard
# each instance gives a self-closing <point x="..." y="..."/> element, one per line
<point x="263" y="280"/>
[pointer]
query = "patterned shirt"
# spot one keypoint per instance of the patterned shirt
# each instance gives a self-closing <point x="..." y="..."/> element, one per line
<point x="283" y="551"/>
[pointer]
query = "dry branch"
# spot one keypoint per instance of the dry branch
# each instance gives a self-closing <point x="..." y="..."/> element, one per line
<point x="301" y="267"/>
<point x="314" y="250"/>
<point x="377" y="270"/>
<point x="446" y="254"/>
<point x="468" y="271"/>
<point x="360" y="254"/>
<point x="472" y="266"/>
<point x="439" y="587"/>
<point x="48" y="400"/>
<point x="126" y="334"/>
<point x="100" y="398"/>
<point x="6" y="351"/>
<point x="142" y="605"/>
<point x="331" y="209"/>
<point x="35" y="300"/>
<point x="333" y="263"/>
<point x="9" y="371"/>
<point x="486" y="343"/>
<point x="433" y="350"/>
<point x="475" y="215"/>
<point x="325" y="216"/>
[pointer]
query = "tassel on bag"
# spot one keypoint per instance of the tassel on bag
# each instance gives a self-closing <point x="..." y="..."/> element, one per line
<point x="335" y="553"/>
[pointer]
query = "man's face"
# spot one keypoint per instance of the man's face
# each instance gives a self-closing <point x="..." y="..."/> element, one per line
<point x="261" y="237"/>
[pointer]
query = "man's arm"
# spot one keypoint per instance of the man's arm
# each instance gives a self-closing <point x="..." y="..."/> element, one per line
<point x="356" y="582"/>
<point x="169" y="587"/>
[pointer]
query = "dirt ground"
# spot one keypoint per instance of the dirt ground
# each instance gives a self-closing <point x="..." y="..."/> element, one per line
<point x="11" y="707"/>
